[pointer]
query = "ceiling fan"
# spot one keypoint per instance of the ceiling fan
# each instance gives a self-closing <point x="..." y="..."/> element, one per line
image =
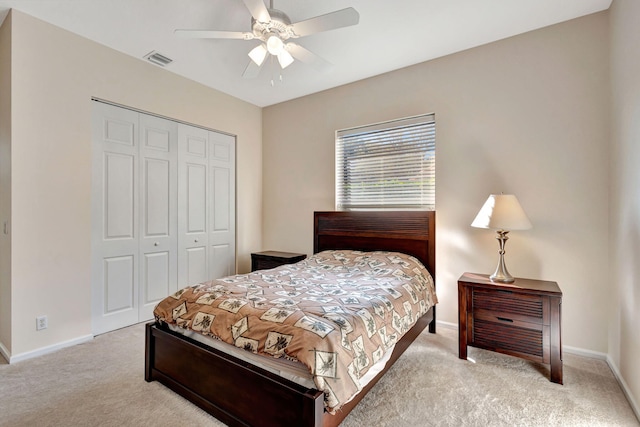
<point x="274" y="29"/>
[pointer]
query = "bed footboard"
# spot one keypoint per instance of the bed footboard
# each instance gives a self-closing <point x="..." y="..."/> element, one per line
<point x="239" y="393"/>
<point x="235" y="392"/>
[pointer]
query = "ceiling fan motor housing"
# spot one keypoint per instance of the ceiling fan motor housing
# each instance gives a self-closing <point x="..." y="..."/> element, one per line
<point x="279" y="24"/>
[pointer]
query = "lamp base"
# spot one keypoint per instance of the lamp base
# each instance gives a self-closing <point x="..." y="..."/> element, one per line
<point x="501" y="275"/>
<point x="502" y="279"/>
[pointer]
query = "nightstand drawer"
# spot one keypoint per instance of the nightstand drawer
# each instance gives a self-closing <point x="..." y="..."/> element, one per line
<point x="510" y="339"/>
<point x="510" y="305"/>
<point x="507" y="319"/>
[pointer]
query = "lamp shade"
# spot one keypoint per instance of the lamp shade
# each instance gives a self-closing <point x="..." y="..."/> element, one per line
<point x="502" y="212"/>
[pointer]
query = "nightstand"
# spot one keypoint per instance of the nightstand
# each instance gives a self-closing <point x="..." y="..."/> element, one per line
<point x="272" y="259"/>
<point x="520" y="319"/>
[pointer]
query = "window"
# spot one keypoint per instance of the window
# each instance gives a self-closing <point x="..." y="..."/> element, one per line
<point x="388" y="165"/>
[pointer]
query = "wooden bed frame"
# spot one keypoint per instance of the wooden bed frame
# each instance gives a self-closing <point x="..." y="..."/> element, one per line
<point x="241" y="394"/>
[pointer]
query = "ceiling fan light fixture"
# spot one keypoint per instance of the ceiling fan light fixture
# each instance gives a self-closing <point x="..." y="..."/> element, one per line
<point x="285" y="59"/>
<point x="258" y="54"/>
<point x="274" y="44"/>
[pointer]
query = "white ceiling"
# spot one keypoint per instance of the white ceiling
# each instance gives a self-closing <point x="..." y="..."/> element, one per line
<point x="390" y="35"/>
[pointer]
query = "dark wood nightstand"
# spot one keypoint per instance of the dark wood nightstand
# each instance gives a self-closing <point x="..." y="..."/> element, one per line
<point x="272" y="259"/>
<point x="521" y="319"/>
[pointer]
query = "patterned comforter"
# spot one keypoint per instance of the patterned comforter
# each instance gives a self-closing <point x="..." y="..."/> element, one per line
<point x="336" y="312"/>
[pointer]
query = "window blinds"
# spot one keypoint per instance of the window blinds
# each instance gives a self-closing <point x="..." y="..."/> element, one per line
<point x="388" y="165"/>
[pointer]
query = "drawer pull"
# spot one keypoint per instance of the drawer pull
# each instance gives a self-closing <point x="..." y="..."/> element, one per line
<point x="504" y="319"/>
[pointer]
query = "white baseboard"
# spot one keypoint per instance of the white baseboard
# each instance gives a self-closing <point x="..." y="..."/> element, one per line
<point x="4" y="352"/>
<point x="623" y="385"/>
<point x="49" y="349"/>
<point x="583" y="352"/>
<point x="447" y="325"/>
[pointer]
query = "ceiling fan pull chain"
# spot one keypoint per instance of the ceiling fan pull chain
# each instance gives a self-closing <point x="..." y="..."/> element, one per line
<point x="271" y="67"/>
<point x="280" y="80"/>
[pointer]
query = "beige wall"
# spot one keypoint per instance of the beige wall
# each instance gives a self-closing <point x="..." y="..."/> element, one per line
<point x="624" y="339"/>
<point x="5" y="185"/>
<point x="55" y="74"/>
<point x="527" y="115"/>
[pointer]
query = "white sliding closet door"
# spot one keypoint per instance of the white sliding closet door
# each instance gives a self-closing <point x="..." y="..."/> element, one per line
<point x="158" y="211"/>
<point x="222" y="235"/>
<point x="193" y="202"/>
<point x="115" y="275"/>
<point x="163" y="212"/>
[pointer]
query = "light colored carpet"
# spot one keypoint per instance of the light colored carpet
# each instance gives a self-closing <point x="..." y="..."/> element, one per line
<point x="101" y="383"/>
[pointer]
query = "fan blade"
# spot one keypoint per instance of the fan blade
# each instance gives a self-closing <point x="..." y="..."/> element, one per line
<point x="258" y="10"/>
<point x="303" y="55"/>
<point x="210" y="34"/>
<point x="330" y="21"/>
<point x="252" y="70"/>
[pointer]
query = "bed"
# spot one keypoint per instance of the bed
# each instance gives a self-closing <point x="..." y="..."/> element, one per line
<point x="240" y="393"/>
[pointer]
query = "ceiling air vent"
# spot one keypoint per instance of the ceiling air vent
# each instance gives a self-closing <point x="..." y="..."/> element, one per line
<point x="158" y="58"/>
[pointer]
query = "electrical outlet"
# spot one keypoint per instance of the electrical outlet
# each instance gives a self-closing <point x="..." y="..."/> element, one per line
<point x="41" y="323"/>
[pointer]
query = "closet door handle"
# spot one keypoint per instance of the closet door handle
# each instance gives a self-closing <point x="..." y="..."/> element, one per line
<point x="196" y="240"/>
<point x="156" y="244"/>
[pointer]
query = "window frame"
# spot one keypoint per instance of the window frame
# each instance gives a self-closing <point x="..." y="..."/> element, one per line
<point x="364" y="155"/>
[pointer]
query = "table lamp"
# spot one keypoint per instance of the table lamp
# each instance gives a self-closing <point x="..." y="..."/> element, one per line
<point x="503" y="213"/>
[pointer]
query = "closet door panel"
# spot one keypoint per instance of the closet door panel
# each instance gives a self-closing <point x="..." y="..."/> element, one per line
<point x="222" y="235"/>
<point x="119" y="279"/>
<point x="119" y="197"/>
<point x="157" y="197"/>
<point x="195" y="237"/>
<point x="221" y="199"/>
<point x="157" y="273"/>
<point x="221" y="265"/>
<point x="197" y="271"/>
<point x="114" y="205"/>
<point x="196" y="198"/>
<point x="193" y="203"/>
<point x="158" y="211"/>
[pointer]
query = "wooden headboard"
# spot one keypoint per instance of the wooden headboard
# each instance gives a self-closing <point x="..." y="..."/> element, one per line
<point x="410" y="232"/>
